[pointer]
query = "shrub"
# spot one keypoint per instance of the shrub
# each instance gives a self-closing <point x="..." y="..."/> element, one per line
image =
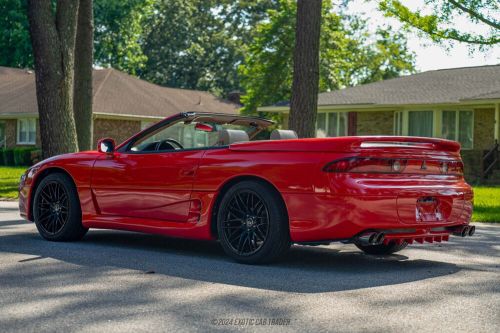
<point x="8" y="157"/>
<point x="36" y="156"/>
<point x="22" y="156"/>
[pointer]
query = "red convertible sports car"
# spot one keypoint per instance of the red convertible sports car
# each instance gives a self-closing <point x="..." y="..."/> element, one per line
<point x="210" y="176"/>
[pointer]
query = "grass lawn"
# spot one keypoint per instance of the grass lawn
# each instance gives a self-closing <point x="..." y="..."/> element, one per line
<point x="9" y="180"/>
<point x="486" y="199"/>
<point x="486" y="204"/>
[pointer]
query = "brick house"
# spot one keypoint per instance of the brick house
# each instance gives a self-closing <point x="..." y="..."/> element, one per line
<point x="122" y="105"/>
<point x="461" y="104"/>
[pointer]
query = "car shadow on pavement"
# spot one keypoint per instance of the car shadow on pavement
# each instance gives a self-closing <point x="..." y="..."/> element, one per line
<point x="303" y="270"/>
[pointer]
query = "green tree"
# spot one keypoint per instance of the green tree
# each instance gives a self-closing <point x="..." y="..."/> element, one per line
<point x="119" y="33"/>
<point x="198" y="44"/>
<point x="266" y="72"/>
<point x="349" y="55"/>
<point x="441" y="24"/>
<point x="241" y="16"/>
<point x="15" y="45"/>
<point x="118" y="39"/>
<point x="189" y="47"/>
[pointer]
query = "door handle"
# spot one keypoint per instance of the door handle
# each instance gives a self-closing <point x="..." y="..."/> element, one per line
<point x="188" y="172"/>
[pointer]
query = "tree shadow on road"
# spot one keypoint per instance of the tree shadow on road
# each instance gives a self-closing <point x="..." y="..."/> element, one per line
<point x="12" y="222"/>
<point x="303" y="270"/>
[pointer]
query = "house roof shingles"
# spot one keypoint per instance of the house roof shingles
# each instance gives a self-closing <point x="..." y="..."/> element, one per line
<point x="115" y="93"/>
<point x="443" y="86"/>
<point x="432" y="87"/>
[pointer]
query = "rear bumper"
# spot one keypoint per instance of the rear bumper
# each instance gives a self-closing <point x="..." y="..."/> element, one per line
<point x="429" y="235"/>
<point x="329" y="217"/>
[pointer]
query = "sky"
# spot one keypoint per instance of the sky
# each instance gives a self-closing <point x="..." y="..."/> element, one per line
<point x="429" y="56"/>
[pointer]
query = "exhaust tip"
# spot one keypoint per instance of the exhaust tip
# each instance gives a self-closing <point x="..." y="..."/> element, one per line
<point x="380" y="238"/>
<point x="472" y="230"/>
<point x="465" y="232"/>
<point x="372" y="238"/>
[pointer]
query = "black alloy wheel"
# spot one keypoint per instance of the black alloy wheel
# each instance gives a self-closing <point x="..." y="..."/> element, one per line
<point x="252" y="223"/>
<point x="56" y="209"/>
<point x="53" y="207"/>
<point x="246" y="222"/>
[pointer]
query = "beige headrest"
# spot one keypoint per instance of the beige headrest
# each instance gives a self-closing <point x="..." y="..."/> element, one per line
<point x="283" y="135"/>
<point x="229" y="136"/>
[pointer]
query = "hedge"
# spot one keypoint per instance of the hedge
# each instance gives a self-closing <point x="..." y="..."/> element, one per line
<point x="19" y="156"/>
<point x="8" y="157"/>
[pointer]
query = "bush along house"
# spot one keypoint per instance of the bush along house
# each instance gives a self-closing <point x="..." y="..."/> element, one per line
<point x="122" y="106"/>
<point x="461" y="104"/>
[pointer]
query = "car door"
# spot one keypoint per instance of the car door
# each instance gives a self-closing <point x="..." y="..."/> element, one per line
<point x="154" y="185"/>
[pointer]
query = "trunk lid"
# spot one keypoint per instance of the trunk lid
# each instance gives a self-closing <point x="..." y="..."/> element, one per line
<point x="357" y="144"/>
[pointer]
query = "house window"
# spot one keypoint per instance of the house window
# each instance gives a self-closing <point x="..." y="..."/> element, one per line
<point x="26" y="131"/>
<point x="329" y="124"/>
<point x="420" y="123"/>
<point x="146" y="124"/>
<point x="414" y="123"/>
<point x="457" y="125"/>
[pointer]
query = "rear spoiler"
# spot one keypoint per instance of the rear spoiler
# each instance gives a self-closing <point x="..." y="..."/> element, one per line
<point x="406" y="142"/>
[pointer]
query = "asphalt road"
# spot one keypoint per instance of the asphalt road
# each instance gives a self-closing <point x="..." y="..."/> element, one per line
<point x="119" y="282"/>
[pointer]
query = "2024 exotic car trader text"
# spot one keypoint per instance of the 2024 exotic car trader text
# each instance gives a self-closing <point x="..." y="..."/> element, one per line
<point x="213" y="176"/>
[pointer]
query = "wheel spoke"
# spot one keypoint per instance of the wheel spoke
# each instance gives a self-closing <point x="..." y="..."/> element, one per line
<point x="241" y="204"/>
<point x="235" y="210"/>
<point x="240" y="242"/>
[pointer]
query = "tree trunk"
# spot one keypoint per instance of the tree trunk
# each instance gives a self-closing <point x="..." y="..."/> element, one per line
<point x="84" y="46"/>
<point x="304" y="102"/>
<point x="53" y="41"/>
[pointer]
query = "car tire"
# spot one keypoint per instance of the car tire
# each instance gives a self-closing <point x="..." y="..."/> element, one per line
<point x="56" y="209"/>
<point x="252" y="223"/>
<point x="382" y="249"/>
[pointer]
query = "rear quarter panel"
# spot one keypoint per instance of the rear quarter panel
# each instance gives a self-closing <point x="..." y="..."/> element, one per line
<point x="287" y="171"/>
<point x="296" y="175"/>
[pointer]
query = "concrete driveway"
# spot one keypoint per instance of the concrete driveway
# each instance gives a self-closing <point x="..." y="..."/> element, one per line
<point x="117" y="281"/>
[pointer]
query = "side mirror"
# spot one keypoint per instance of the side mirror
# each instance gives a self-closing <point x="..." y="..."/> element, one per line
<point x="204" y="127"/>
<point x="106" y="146"/>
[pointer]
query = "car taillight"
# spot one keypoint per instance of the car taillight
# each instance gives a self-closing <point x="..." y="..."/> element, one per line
<point x="395" y="166"/>
<point x="366" y="165"/>
<point x="452" y="168"/>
